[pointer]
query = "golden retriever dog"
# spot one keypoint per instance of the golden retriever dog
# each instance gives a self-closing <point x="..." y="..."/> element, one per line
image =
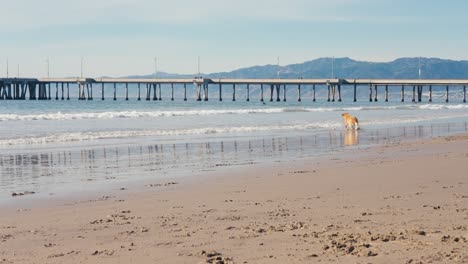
<point x="350" y="122"/>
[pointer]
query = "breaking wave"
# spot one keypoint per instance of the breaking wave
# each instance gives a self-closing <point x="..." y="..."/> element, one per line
<point x="171" y="113"/>
<point x="99" y="135"/>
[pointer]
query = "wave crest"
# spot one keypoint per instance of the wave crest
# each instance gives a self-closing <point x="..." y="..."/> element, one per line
<point x="171" y="113"/>
<point x="87" y="136"/>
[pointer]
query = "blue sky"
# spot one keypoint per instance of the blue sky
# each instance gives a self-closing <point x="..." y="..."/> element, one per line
<point x="122" y="37"/>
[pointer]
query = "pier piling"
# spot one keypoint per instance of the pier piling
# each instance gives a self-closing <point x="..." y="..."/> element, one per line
<point x="155" y="95"/>
<point x="172" y="92"/>
<point x="147" y="92"/>
<point x="87" y="92"/>
<point x="3" y="92"/>
<point x="115" y="91"/>
<point x="198" y="92"/>
<point x="68" y="91"/>
<point x="370" y="92"/>
<point x="159" y="86"/>
<point x="421" y="93"/>
<point x="79" y="92"/>
<point x="139" y="92"/>
<point x="339" y="92"/>
<point x="32" y="91"/>
<point x="298" y="92"/>
<point x="233" y="92"/>
<point x="447" y="94"/>
<point x="271" y="92"/>
<point x="44" y="92"/>
<point x="248" y="93"/>
<point x="402" y="93"/>
<point x="464" y="93"/>
<point x="430" y="93"/>
<point x="386" y="93"/>
<point x="102" y="91"/>
<point x="126" y="91"/>
<point x="8" y="92"/>
<point x="284" y="93"/>
<point x="333" y="88"/>
<point x="220" y="92"/>
<point x="56" y="91"/>
<point x="91" y="88"/>
<point x="278" y="88"/>
<point x="414" y="98"/>
<point x="328" y="87"/>
<point x="261" y="92"/>
<point x="376" y="93"/>
<point x="25" y="87"/>
<point x="185" y="92"/>
<point x="313" y="93"/>
<point x="205" y="92"/>
<point x="63" y="98"/>
<point x="355" y="88"/>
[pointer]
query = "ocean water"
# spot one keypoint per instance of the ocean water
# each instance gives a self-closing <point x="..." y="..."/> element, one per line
<point x="55" y="148"/>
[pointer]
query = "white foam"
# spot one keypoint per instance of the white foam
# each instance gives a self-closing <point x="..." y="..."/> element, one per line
<point x="443" y="106"/>
<point x="409" y="119"/>
<point x="131" y="114"/>
<point x="208" y="112"/>
<point x="99" y="135"/>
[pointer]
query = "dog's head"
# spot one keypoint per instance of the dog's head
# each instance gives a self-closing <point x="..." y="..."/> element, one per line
<point x="344" y="114"/>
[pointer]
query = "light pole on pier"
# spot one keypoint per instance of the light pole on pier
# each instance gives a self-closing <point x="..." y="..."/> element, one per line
<point x="199" y="72"/>
<point x="155" y="66"/>
<point x="419" y="68"/>
<point x="277" y="67"/>
<point x="82" y="66"/>
<point x="333" y="67"/>
<point x="48" y="67"/>
<point x="7" y="73"/>
<point x="17" y="71"/>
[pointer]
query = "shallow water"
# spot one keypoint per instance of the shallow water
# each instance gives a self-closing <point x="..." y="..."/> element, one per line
<point x="63" y="147"/>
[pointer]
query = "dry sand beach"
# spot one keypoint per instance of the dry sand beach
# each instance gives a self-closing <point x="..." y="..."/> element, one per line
<point x="399" y="203"/>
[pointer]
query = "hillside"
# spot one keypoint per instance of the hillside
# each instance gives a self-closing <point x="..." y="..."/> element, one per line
<point x="402" y="68"/>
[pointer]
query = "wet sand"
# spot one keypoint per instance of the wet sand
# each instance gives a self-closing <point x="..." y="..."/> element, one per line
<point x="398" y="203"/>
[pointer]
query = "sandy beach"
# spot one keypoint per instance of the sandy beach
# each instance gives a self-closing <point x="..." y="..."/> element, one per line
<point x="396" y="203"/>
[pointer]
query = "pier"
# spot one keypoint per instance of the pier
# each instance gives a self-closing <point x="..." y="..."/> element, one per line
<point x="59" y="88"/>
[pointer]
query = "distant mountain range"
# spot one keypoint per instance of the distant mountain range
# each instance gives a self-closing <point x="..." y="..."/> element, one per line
<point x="402" y="68"/>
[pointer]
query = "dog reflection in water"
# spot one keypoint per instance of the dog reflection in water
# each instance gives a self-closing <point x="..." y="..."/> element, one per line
<point x="351" y="137"/>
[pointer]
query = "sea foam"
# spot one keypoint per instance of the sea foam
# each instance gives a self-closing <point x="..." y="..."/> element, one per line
<point x="207" y="112"/>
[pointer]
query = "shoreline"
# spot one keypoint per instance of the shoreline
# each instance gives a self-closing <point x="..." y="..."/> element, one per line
<point x="85" y="172"/>
<point x="399" y="202"/>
